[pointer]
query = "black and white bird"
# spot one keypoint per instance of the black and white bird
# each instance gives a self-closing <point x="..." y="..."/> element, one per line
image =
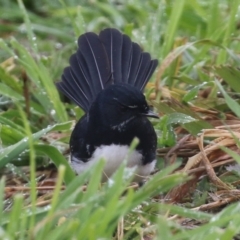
<point x="106" y="78"/>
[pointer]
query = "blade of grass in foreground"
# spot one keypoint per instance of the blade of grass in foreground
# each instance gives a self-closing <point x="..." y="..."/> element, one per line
<point x="172" y="25"/>
<point x="54" y="201"/>
<point x="58" y="159"/>
<point x="2" y="185"/>
<point x="230" y="75"/>
<point x="232" y="104"/>
<point x="32" y="158"/>
<point x="13" y="225"/>
<point x="11" y="152"/>
<point x="231" y="25"/>
<point x="8" y="153"/>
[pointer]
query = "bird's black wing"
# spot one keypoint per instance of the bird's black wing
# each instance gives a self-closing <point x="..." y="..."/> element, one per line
<point x="102" y="60"/>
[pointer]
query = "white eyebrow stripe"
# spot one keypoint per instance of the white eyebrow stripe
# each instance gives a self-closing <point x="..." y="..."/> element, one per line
<point x="128" y="106"/>
<point x="133" y="106"/>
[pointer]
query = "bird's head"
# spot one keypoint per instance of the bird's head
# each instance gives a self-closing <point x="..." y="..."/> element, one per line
<point x="119" y="104"/>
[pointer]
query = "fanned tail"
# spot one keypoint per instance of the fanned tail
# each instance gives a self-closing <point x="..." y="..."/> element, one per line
<point x="102" y="60"/>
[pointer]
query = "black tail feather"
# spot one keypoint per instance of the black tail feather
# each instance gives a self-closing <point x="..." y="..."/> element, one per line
<point x="96" y="59"/>
<point x="102" y="60"/>
<point x="134" y="63"/>
<point x="148" y="73"/>
<point x="74" y="87"/>
<point x="112" y="41"/>
<point x="126" y="57"/>
<point x="77" y="62"/>
<point x="69" y="91"/>
<point x="144" y="63"/>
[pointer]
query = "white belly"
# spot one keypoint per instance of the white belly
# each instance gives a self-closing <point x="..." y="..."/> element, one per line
<point x="114" y="155"/>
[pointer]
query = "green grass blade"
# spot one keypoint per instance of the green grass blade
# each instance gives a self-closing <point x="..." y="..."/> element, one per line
<point x="234" y="5"/>
<point x="230" y="75"/>
<point x="57" y="159"/>
<point x="13" y="225"/>
<point x="2" y="185"/>
<point x="11" y="152"/>
<point x="78" y="22"/>
<point x="232" y="104"/>
<point x="173" y="22"/>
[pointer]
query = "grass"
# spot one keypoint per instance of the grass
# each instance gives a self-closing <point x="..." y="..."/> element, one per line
<point x="195" y="90"/>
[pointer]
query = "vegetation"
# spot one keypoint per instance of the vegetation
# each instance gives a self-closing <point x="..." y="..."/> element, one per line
<point x="194" y="192"/>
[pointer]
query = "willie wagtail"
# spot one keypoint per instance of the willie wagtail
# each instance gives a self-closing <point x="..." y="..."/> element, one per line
<point x="106" y="78"/>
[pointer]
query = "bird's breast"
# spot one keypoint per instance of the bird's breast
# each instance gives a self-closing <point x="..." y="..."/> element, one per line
<point x="114" y="155"/>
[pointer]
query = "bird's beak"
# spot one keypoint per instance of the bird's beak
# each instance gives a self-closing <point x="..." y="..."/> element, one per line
<point x="150" y="114"/>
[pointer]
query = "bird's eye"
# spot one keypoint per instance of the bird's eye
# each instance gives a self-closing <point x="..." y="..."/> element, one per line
<point x="123" y="108"/>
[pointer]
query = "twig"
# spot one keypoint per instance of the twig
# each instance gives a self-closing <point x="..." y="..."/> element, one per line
<point x="209" y="169"/>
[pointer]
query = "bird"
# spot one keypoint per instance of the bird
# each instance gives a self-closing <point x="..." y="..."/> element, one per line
<point x="106" y="77"/>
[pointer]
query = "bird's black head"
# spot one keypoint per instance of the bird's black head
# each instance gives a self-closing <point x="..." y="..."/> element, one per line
<point x="119" y="104"/>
